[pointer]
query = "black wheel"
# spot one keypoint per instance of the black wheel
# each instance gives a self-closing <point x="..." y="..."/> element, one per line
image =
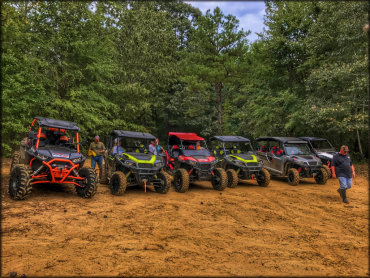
<point x="232" y="178"/>
<point x="164" y="184"/>
<point x="20" y="182"/>
<point x="118" y="183"/>
<point x="328" y="171"/>
<point x="90" y="183"/>
<point x="181" y="180"/>
<point x="293" y="176"/>
<point x="104" y="174"/>
<point x="321" y="177"/>
<point x="15" y="160"/>
<point x="263" y="178"/>
<point x="219" y="179"/>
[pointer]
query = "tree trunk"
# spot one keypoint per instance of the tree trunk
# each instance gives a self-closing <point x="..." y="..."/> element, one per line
<point x="359" y="141"/>
<point x="219" y="107"/>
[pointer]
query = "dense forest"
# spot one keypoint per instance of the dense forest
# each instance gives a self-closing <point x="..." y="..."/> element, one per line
<point x="165" y="66"/>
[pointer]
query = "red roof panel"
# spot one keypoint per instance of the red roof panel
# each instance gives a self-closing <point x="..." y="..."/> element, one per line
<point x="186" y="136"/>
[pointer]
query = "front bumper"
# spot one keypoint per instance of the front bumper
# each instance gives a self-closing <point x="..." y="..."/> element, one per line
<point x="57" y="171"/>
<point x="309" y="171"/>
<point x="144" y="172"/>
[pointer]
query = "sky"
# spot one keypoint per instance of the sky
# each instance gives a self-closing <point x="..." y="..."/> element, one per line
<point x="249" y="13"/>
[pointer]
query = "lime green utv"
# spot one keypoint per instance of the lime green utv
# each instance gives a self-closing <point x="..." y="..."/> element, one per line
<point x="128" y="162"/>
<point x="235" y="154"/>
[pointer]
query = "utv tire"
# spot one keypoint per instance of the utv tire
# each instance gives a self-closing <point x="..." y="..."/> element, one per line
<point x="164" y="185"/>
<point x="20" y="182"/>
<point x="90" y="183"/>
<point x="263" y="178"/>
<point x="321" y="177"/>
<point x="232" y="178"/>
<point x="219" y="179"/>
<point x="15" y="160"/>
<point x="181" y="180"/>
<point x="328" y="171"/>
<point x="293" y="176"/>
<point x="104" y="175"/>
<point x="118" y="183"/>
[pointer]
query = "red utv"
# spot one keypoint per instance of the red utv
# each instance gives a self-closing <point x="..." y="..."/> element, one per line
<point x="188" y="160"/>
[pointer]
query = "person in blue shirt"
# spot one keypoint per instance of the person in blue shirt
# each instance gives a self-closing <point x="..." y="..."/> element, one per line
<point x="342" y="168"/>
<point x="159" y="148"/>
<point x="153" y="148"/>
<point x="117" y="149"/>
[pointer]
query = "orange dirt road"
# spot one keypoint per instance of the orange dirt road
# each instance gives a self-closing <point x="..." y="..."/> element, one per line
<point x="278" y="230"/>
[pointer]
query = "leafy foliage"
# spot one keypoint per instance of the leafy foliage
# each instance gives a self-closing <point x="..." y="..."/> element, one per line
<point x="163" y="66"/>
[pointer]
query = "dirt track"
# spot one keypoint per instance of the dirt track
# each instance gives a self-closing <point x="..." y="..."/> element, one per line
<point x="249" y="230"/>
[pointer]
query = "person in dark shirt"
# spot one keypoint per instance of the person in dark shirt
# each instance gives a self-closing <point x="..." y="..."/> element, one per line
<point x="342" y="168"/>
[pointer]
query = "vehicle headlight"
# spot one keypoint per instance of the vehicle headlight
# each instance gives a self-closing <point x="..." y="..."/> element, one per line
<point x="41" y="156"/>
<point x="129" y="163"/>
<point x="158" y="164"/>
<point x="76" y="160"/>
<point x="192" y="162"/>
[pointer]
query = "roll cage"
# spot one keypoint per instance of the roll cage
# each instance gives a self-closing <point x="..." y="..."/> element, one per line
<point x="226" y="141"/>
<point x="186" y="143"/>
<point x="138" y="140"/>
<point x="52" y="126"/>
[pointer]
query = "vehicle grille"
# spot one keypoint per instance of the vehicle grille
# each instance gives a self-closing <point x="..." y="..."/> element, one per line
<point x="312" y="163"/>
<point x="204" y="166"/>
<point x="252" y="164"/>
<point x="145" y="165"/>
<point x="60" y="165"/>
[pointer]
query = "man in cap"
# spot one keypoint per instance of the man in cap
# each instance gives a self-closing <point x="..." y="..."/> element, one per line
<point x="342" y="168"/>
<point x="98" y="149"/>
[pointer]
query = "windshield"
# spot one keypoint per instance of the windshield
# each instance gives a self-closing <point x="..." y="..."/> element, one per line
<point x="193" y="145"/>
<point x="202" y="152"/>
<point x="322" y="145"/>
<point x="56" y="137"/>
<point x="297" y="149"/>
<point x="126" y="144"/>
<point x="238" y="147"/>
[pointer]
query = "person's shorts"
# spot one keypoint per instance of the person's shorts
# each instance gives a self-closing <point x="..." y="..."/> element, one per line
<point x="345" y="183"/>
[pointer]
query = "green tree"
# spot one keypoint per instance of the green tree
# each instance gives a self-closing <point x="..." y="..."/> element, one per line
<point x="215" y="58"/>
<point x="337" y="86"/>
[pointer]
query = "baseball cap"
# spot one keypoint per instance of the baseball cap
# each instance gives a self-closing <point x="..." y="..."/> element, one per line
<point x="344" y="148"/>
<point x="97" y="137"/>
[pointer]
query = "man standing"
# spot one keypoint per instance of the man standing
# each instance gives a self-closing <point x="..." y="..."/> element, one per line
<point x="99" y="149"/>
<point x="159" y="148"/>
<point x="343" y="169"/>
<point x="117" y="149"/>
<point x="152" y="148"/>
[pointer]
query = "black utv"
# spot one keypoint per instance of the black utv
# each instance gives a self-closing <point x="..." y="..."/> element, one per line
<point x="235" y="154"/>
<point x="291" y="157"/>
<point x="50" y="154"/>
<point x="323" y="149"/>
<point x="128" y="162"/>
